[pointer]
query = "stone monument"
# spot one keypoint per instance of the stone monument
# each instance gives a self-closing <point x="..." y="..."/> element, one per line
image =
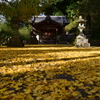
<point x="81" y="40"/>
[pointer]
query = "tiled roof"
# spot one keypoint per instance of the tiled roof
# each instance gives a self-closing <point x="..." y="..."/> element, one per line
<point x="58" y="19"/>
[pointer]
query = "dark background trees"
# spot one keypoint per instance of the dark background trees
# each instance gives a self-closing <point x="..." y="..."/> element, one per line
<point x="89" y="9"/>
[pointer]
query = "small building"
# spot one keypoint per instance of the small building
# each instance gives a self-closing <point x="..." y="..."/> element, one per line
<point x="48" y="29"/>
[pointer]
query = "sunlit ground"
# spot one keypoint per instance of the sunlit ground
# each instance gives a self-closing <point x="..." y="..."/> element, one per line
<point x="50" y="72"/>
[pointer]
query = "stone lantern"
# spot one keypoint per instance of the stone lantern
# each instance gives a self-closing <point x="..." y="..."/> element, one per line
<point x="81" y="40"/>
<point x="81" y="23"/>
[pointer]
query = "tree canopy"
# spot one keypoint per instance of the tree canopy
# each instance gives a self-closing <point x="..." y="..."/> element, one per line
<point x="20" y="9"/>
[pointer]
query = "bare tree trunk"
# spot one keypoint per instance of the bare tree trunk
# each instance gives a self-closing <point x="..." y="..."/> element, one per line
<point x="15" y="40"/>
<point x="88" y="27"/>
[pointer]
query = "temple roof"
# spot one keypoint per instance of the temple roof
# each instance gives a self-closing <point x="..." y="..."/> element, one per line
<point x="57" y="19"/>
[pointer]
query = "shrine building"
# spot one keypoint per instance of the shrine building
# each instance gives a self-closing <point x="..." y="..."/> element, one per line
<point x="48" y="29"/>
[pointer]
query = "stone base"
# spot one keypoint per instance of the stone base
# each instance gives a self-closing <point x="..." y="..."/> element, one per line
<point x="81" y="41"/>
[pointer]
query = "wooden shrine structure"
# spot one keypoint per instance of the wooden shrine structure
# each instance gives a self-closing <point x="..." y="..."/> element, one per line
<point x="48" y="29"/>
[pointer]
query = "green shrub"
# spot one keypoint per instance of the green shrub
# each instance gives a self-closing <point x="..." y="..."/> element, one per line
<point x="24" y="32"/>
<point x="5" y="33"/>
<point x="72" y="27"/>
<point x="5" y="30"/>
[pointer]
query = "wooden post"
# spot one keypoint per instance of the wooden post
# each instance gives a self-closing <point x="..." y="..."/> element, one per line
<point x="56" y="35"/>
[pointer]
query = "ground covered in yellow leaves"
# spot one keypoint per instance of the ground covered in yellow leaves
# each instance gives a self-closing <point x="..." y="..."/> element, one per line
<point x="49" y="72"/>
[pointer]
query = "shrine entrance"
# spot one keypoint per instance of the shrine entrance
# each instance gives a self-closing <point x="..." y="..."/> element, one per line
<point x="49" y="36"/>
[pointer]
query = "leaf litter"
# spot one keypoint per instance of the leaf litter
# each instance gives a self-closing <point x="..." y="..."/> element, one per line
<point x="73" y="79"/>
